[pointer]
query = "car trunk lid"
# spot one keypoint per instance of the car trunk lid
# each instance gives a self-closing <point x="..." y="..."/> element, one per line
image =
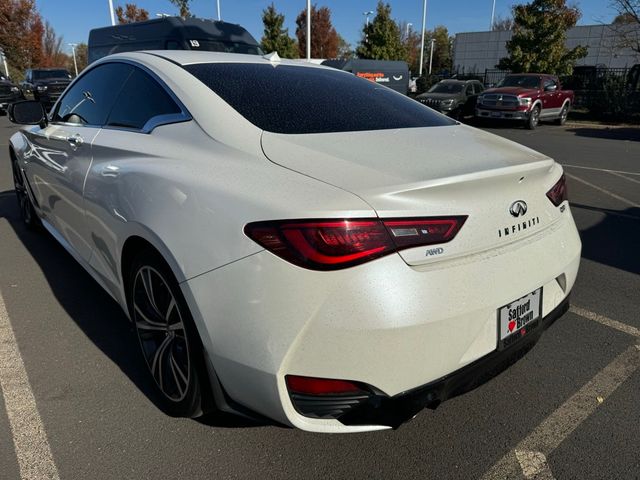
<point x="427" y="172"/>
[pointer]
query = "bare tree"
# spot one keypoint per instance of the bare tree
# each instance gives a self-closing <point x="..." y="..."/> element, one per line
<point x="52" y="54"/>
<point x="503" y="23"/>
<point x="626" y="25"/>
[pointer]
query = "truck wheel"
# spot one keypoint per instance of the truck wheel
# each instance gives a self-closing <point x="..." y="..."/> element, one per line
<point x="564" y="113"/>
<point x="534" y="118"/>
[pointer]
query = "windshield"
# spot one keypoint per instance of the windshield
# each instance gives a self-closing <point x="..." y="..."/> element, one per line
<point x="222" y="46"/>
<point x="297" y="99"/>
<point x="522" y="81"/>
<point x="44" y="74"/>
<point x="446" y="87"/>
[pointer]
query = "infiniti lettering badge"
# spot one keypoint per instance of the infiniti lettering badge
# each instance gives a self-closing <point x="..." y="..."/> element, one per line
<point x="518" y="208"/>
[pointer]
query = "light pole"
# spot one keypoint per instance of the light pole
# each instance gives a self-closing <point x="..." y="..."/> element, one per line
<point x="4" y="61"/>
<point x="493" y="12"/>
<point x="218" y="4"/>
<point x="409" y="25"/>
<point x="75" y="63"/>
<point x="366" y="14"/>
<point x="433" y="40"/>
<point x="424" y="21"/>
<point x="113" y="17"/>
<point x="308" y="30"/>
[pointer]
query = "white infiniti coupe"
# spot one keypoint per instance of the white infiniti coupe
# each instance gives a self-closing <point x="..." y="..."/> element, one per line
<point x="292" y="241"/>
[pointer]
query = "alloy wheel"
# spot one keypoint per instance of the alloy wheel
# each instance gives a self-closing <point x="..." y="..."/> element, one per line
<point x="161" y="331"/>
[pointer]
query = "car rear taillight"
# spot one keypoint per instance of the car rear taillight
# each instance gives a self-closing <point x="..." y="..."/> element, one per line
<point x="321" y="386"/>
<point x="336" y="244"/>
<point x="558" y="192"/>
<point x="407" y="233"/>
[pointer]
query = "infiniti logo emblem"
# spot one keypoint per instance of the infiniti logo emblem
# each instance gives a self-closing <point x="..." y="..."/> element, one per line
<point x="518" y="208"/>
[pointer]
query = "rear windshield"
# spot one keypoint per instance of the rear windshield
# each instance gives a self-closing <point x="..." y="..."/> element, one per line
<point x="296" y="99"/>
<point x="45" y="74"/>
<point x="445" y="87"/>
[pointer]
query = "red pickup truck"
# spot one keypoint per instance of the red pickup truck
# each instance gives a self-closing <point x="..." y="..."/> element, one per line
<point x="530" y="97"/>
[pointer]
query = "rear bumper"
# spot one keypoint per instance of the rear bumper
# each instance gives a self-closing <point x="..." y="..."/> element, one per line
<point x="502" y="114"/>
<point x="393" y="411"/>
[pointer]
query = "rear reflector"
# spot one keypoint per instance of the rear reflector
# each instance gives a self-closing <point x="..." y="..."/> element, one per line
<point x="558" y="192"/>
<point x="335" y="244"/>
<point x="321" y="386"/>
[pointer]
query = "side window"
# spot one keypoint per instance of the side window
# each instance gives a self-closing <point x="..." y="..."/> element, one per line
<point x="469" y="90"/>
<point x="478" y="88"/>
<point x="141" y="99"/>
<point x="90" y="99"/>
<point x="173" y="45"/>
<point x="548" y="82"/>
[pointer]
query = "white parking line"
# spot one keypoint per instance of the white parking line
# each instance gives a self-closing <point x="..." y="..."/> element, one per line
<point x="601" y="169"/>
<point x="29" y="438"/>
<point x="626" y="178"/>
<point x="607" y="192"/>
<point x="623" y="327"/>
<point x="529" y="456"/>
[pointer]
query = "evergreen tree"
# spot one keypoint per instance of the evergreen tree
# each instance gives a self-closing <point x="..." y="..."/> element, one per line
<point x="381" y="38"/>
<point x="276" y="38"/>
<point x="539" y="34"/>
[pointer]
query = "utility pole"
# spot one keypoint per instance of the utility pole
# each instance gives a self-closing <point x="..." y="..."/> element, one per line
<point x="73" y="49"/>
<point x="433" y="40"/>
<point x="113" y="17"/>
<point x="308" y="30"/>
<point x="493" y="13"/>
<point x="424" y="22"/>
<point x="219" y="16"/>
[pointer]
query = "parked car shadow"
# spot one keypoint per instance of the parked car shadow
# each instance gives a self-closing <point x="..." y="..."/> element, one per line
<point x="623" y="133"/>
<point x="93" y="310"/>
<point x="614" y="241"/>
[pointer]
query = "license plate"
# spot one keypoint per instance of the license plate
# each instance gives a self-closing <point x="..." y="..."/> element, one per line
<point x="496" y="114"/>
<point x="519" y="317"/>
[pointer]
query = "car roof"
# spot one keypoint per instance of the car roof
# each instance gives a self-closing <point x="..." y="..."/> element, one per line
<point x="191" y="57"/>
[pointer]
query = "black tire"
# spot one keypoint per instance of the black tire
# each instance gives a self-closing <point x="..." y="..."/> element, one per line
<point x="564" y="113"/>
<point x="534" y="118"/>
<point x="27" y="212"/>
<point x="169" y="342"/>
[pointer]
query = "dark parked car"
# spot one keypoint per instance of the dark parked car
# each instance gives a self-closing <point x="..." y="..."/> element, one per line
<point x="9" y="93"/>
<point x="456" y="98"/>
<point x="46" y="84"/>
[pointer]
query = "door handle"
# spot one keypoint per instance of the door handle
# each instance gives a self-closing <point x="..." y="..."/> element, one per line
<point x="75" y="140"/>
<point x="111" y="171"/>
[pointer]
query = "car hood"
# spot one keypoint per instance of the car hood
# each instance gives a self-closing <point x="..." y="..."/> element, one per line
<point x="52" y="80"/>
<point x="438" y="96"/>
<point x="511" y="90"/>
<point x="379" y="165"/>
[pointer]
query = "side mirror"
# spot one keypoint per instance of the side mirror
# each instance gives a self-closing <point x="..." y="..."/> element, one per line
<point x="27" y="112"/>
<point x="550" y="88"/>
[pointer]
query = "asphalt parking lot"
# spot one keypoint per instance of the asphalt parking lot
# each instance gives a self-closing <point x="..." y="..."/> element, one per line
<point x="569" y="410"/>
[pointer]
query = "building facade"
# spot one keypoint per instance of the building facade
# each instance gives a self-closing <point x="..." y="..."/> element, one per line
<point x="478" y="51"/>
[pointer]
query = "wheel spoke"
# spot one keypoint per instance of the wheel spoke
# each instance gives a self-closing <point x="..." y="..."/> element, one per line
<point x="148" y="287"/>
<point x="150" y="326"/>
<point x="176" y="371"/>
<point x="157" y="359"/>
<point x="147" y="319"/>
<point x="170" y="308"/>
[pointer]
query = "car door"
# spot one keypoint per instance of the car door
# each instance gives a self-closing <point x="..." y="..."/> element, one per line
<point x="550" y="96"/>
<point x="61" y="152"/>
<point x="131" y="139"/>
